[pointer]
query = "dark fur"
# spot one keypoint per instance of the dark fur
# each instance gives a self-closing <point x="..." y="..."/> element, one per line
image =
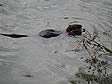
<point x="75" y="29"/>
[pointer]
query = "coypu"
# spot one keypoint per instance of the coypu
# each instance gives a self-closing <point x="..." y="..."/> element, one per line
<point x="49" y="33"/>
<point x="75" y="29"/>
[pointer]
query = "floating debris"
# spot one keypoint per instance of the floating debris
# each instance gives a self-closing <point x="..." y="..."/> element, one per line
<point x="1" y="4"/>
<point x="66" y="17"/>
<point x="27" y="75"/>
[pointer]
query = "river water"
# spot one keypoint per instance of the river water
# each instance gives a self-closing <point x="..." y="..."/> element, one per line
<point x="34" y="60"/>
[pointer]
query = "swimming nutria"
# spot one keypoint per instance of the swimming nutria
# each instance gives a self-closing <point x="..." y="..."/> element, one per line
<point x="48" y="33"/>
<point x="75" y="29"/>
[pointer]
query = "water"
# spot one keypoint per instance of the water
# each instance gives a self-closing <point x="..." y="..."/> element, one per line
<point x="34" y="60"/>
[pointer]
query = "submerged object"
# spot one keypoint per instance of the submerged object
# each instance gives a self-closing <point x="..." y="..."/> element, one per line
<point x="49" y="33"/>
<point x="14" y="35"/>
<point x="75" y="29"/>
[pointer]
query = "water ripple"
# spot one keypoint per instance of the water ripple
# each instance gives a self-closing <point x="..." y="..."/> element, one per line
<point x="34" y="15"/>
